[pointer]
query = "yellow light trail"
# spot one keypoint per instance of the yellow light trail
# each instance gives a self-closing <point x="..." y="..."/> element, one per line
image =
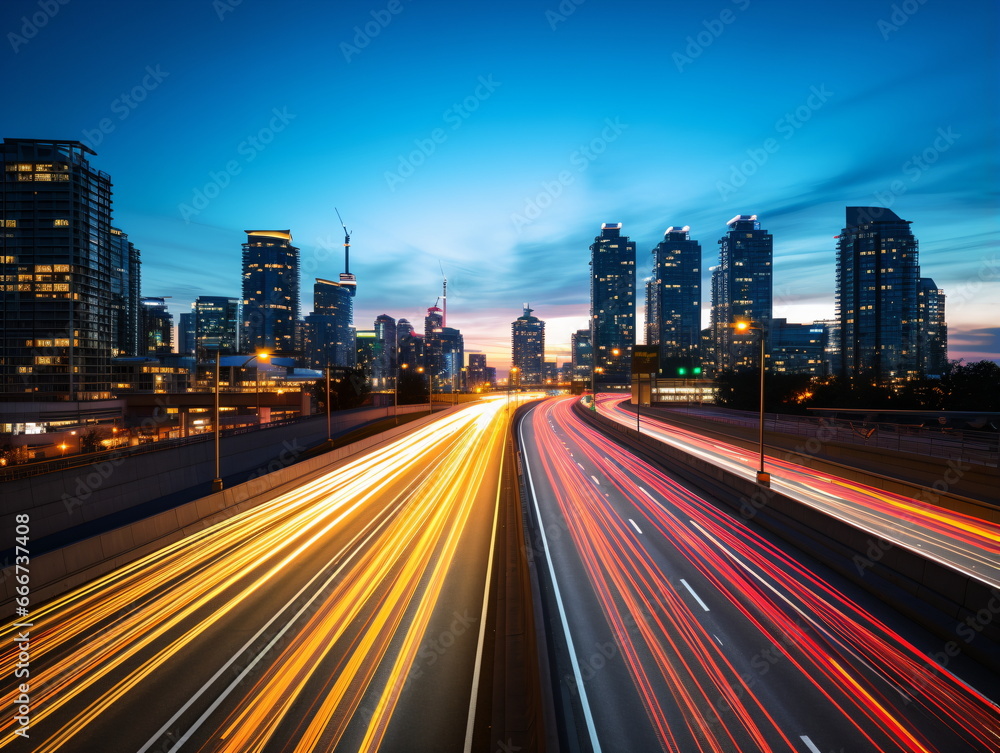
<point x="412" y="500"/>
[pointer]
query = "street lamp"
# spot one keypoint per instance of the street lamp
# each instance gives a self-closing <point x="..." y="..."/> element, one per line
<point x="763" y="478"/>
<point x="395" y="392"/>
<point x="430" y="389"/>
<point x="217" y="481"/>
<point x="256" y="377"/>
<point x="329" y="432"/>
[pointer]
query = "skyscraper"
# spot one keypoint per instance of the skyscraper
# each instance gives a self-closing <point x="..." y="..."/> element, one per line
<point x="675" y="308"/>
<point x="527" y="334"/>
<point x="385" y="366"/>
<point x="581" y="354"/>
<point x="125" y="295"/>
<point x="217" y="325"/>
<point x="433" y="356"/>
<point x="186" y="331"/>
<point x="55" y="268"/>
<point x="876" y="299"/>
<point x="932" y="340"/>
<point x="157" y="335"/>
<point x="476" y="378"/>
<point x="270" y="291"/>
<point x="612" y="306"/>
<point x="741" y="291"/>
<point x="330" y="334"/>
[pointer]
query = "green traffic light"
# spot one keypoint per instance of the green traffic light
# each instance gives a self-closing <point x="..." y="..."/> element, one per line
<point x="681" y="371"/>
<point x="697" y="369"/>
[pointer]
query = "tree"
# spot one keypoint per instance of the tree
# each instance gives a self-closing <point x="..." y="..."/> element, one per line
<point x="349" y="388"/>
<point x="412" y="387"/>
<point x="971" y="387"/>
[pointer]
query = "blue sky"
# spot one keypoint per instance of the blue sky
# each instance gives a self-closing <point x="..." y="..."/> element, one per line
<point x="493" y="140"/>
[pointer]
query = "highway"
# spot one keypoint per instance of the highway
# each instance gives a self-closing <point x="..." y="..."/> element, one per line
<point x="675" y="626"/>
<point x="967" y="544"/>
<point x="347" y="614"/>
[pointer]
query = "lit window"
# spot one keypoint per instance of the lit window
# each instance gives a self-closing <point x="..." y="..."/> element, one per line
<point x="60" y="223"/>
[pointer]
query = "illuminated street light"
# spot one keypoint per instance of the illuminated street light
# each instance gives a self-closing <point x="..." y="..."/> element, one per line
<point x="763" y="478"/>
<point x="217" y="481"/>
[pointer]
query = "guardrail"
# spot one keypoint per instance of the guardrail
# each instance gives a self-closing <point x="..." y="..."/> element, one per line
<point x="980" y="447"/>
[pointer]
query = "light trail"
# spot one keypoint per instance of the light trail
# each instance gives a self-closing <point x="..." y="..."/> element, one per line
<point x="861" y="675"/>
<point x="403" y="510"/>
<point x="968" y="544"/>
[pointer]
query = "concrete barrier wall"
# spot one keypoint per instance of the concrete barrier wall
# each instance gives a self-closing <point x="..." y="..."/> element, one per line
<point x="65" y="498"/>
<point x="933" y="595"/>
<point x="59" y="571"/>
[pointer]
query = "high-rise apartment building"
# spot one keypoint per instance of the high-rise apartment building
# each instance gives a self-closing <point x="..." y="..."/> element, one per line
<point x="125" y="295"/>
<point x="157" y="327"/>
<point x="186" y="332"/>
<point x="674" y="300"/>
<point x="876" y="297"/>
<point x="742" y="288"/>
<point x="270" y="291"/>
<point x="581" y="353"/>
<point x="57" y="338"/>
<point x="527" y="334"/>
<point x="932" y="341"/>
<point x="217" y="325"/>
<point x="612" y="306"/>
<point x="330" y="335"/>
<point x="384" y="371"/>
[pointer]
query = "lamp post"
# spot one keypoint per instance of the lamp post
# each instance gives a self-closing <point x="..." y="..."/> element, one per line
<point x="329" y="432"/>
<point x="217" y="481"/>
<point x="763" y="477"/>
<point x="395" y="392"/>
<point x="430" y="389"/>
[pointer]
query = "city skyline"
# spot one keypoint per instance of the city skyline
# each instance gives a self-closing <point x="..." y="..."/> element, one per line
<point x="525" y="149"/>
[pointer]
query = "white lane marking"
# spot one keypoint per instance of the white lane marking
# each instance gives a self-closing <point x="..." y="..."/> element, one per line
<point x="581" y="465"/>
<point x="696" y="596"/>
<point x="595" y="479"/>
<point x="809" y="744"/>
<point x="637" y="529"/>
<point x="486" y="604"/>
<point x="559" y="603"/>
<point x="717" y="638"/>
<point x="647" y="494"/>
<point x="170" y="722"/>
